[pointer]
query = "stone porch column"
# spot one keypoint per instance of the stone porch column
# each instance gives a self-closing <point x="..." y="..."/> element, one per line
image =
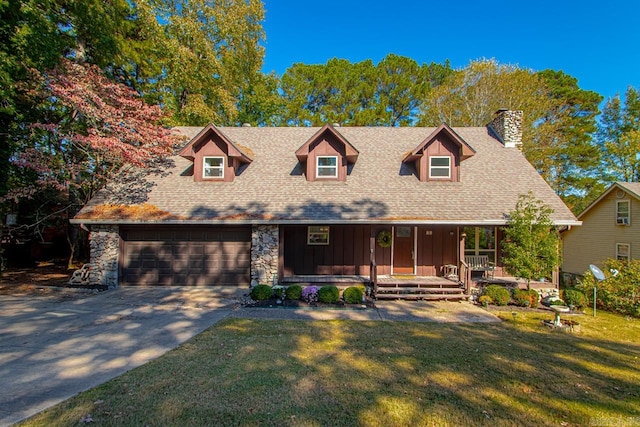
<point x="265" y="242"/>
<point x="104" y="243"/>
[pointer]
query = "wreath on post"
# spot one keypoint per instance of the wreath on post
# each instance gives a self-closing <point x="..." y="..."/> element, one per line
<point x="384" y="239"/>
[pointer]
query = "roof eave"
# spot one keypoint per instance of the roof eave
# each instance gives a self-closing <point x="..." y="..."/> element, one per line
<point x="390" y="221"/>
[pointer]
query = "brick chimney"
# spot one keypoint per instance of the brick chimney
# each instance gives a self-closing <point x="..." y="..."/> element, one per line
<point x="507" y="125"/>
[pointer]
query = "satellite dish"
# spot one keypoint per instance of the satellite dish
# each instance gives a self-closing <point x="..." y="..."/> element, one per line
<point x="597" y="273"/>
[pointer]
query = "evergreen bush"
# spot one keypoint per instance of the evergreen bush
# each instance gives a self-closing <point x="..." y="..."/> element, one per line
<point x="329" y="294"/>
<point x="353" y="295"/>
<point x="498" y="294"/>
<point x="294" y="292"/>
<point x="261" y="292"/>
<point x="575" y="298"/>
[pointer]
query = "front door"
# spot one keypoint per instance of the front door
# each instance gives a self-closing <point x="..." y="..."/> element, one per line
<point x="403" y="248"/>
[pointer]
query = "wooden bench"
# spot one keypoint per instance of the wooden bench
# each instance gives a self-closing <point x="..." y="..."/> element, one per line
<point x="481" y="263"/>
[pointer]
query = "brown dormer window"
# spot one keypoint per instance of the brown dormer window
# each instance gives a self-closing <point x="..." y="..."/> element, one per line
<point x="326" y="156"/>
<point x="326" y="167"/>
<point x="440" y="167"/>
<point x="213" y="167"/>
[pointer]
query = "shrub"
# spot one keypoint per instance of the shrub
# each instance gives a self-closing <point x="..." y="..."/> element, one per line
<point x="620" y="293"/>
<point x="499" y="295"/>
<point x="329" y="294"/>
<point x="278" y="291"/>
<point x="310" y="294"/>
<point x="294" y="292"/>
<point x="353" y="295"/>
<point x="521" y="298"/>
<point x="261" y="292"/>
<point x="556" y="302"/>
<point x="485" y="300"/>
<point x="575" y="298"/>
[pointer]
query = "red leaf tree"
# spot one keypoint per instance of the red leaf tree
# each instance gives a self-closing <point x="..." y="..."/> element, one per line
<point x="92" y="128"/>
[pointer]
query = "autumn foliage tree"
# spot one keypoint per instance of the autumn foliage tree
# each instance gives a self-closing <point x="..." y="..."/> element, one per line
<point x="94" y="126"/>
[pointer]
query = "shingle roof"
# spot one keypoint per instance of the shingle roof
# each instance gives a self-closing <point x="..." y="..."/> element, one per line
<point x="379" y="188"/>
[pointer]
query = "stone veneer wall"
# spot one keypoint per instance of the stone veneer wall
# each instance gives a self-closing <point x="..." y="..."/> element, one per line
<point x="265" y="242"/>
<point x="508" y="125"/>
<point x="104" y="242"/>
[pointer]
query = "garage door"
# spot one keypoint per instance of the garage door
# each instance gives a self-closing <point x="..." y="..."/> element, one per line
<point x="186" y="256"/>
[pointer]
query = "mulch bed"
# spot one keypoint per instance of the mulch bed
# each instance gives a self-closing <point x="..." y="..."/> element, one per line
<point x="273" y="303"/>
<point x="44" y="280"/>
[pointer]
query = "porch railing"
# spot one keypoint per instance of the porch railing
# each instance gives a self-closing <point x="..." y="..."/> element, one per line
<point x="373" y="276"/>
<point x="465" y="275"/>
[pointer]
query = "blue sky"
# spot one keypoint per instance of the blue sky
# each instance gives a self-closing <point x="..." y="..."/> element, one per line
<point x="596" y="42"/>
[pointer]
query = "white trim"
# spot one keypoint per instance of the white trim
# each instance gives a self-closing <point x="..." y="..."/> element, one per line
<point x="623" y="220"/>
<point x="415" y="246"/>
<point x="619" y="185"/>
<point x="628" y="245"/>
<point x="206" y="167"/>
<point x="318" y="167"/>
<point x="448" y="168"/>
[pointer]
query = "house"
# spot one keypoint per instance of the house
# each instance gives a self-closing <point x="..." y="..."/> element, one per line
<point x="610" y="229"/>
<point x="241" y="205"/>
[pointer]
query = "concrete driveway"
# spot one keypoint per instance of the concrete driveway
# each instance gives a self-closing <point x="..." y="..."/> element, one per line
<point x="51" y="350"/>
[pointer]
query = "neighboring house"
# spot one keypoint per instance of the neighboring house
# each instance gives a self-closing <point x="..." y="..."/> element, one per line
<point x="241" y="205"/>
<point x="610" y="229"/>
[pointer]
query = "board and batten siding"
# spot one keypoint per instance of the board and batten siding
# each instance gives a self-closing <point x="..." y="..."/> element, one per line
<point x="595" y="241"/>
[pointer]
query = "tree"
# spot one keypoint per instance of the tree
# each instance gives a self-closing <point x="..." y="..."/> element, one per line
<point x="565" y="153"/>
<point x="94" y="127"/>
<point x="358" y="94"/>
<point x="619" y="138"/>
<point x="531" y="245"/>
<point x="470" y="97"/>
<point x="335" y="92"/>
<point x="207" y="61"/>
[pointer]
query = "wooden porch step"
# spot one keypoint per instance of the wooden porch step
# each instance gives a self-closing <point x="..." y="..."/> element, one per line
<point x="416" y="289"/>
<point x="460" y="296"/>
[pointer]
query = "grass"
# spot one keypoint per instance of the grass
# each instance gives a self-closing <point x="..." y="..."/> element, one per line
<point x="246" y="372"/>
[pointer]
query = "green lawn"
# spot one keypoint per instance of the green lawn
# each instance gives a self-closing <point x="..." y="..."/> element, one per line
<point x="300" y="373"/>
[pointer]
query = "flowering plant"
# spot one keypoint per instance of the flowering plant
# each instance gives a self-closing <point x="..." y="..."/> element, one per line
<point x="310" y="294"/>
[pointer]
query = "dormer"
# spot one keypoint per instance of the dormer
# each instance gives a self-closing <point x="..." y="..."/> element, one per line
<point x="326" y="156"/>
<point x="439" y="156"/>
<point x="214" y="156"/>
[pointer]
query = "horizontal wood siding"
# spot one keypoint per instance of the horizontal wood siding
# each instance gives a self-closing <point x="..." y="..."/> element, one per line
<point x="185" y="256"/>
<point x="596" y="239"/>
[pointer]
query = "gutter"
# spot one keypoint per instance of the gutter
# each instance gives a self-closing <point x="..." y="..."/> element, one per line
<point x="88" y="222"/>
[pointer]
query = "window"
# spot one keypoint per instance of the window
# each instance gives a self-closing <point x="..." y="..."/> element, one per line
<point x="623" y="214"/>
<point x="623" y="251"/>
<point x="318" y="235"/>
<point x="213" y="167"/>
<point x="439" y="167"/>
<point x="480" y="241"/>
<point x="327" y="167"/>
